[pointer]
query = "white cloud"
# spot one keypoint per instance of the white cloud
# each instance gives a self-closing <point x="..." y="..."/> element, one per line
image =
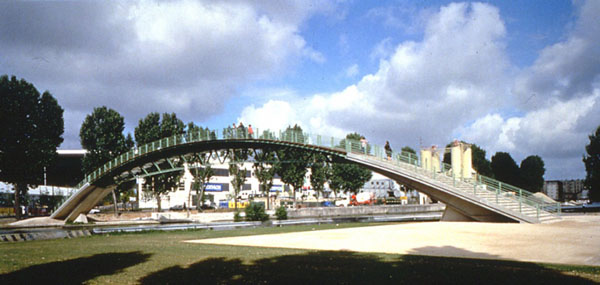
<point x="423" y="89"/>
<point x="458" y="80"/>
<point x="184" y="56"/>
<point x="567" y="69"/>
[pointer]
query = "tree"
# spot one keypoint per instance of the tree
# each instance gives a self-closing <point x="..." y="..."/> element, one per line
<point x="532" y="173"/>
<point x="292" y="162"/>
<point x="239" y="174"/>
<point x="101" y="134"/>
<point x="349" y="177"/>
<point x="505" y="168"/>
<point x="202" y="172"/>
<point x="264" y="171"/>
<point x="150" y="129"/>
<point x="164" y="183"/>
<point x="195" y="133"/>
<point x="592" y="166"/>
<point x="31" y="129"/>
<point x="320" y="172"/>
<point x="409" y="149"/>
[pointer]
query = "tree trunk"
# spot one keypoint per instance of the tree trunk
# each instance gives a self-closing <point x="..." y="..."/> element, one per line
<point x="17" y="205"/>
<point x="294" y="197"/>
<point x="235" y="202"/>
<point x="158" y="202"/>
<point x="115" y="203"/>
<point x="190" y="201"/>
<point x="199" y="204"/>
<point x="268" y="200"/>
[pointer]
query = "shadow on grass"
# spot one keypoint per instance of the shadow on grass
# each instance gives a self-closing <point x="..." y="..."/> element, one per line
<point x="75" y="271"/>
<point x="341" y="267"/>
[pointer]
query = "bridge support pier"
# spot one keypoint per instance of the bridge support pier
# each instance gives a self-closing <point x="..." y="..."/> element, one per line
<point x="453" y="215"/>
<point x="88" y="203"/>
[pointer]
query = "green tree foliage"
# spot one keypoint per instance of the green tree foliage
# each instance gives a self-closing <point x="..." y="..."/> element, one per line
<point x="148" y="129"/>
<point x="256" y="212"/>
<point x="532" y="173"/>
<point x="292" y="163"/>
<point x="320" y="172"/>
<point x="31" y="129"/>
<point x="101" y="134"/>
<point x="152" y="128"/>
<point x="292" y="167"/>
<point x="409" y="149"/>
<point x="164" y="183"/>
<point x="281" y="213"/>
<point x="237" y="172"/>
<point x="265" y="171"/>
<point x="202" y="172"/>
<point x="293" y="134"/>
<point x="592" y="166"/>
<point x="348" y="177"/>
<point x="195" y="133"/>
<point x="505" y="168"/>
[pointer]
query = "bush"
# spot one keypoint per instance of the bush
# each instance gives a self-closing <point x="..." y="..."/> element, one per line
<point x="281" y="213"/>
<point x="237" y="217"/>
<point x="256" y="212"/>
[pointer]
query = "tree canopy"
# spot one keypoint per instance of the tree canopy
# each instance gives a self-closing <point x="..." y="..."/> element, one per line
<point x="532" y="173"/>
<point x="592" y="165"/>
<point x="152" y="128"/>
<point x="32" y="128"/>
<point x="349" y="177"/>
<point x="505" y="168"/>
<point x="101" y="134"/>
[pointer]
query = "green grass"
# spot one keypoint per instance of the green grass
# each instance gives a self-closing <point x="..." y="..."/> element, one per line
<point x="161" y="258"/>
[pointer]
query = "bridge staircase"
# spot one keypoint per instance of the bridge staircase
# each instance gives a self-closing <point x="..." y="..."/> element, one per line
<point x="480" y="198"/>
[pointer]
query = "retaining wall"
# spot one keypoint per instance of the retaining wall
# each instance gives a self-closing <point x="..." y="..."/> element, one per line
<point x="364" y="211"/>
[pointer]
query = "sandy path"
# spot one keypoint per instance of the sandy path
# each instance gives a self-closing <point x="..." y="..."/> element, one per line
<point x="574" y="240"/>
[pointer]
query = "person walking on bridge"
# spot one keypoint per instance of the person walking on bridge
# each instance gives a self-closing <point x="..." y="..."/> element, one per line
<point x="388" y="150"/>
<point x="250" y="132"/>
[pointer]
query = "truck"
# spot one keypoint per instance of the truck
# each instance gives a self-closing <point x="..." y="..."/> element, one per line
<point x="364" y="198"/>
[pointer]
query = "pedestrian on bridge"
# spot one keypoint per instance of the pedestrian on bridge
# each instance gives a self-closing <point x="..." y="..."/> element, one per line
<point x="250" y="131"/>
<point x="363" y="144"/>
<point x="388" y="150"/>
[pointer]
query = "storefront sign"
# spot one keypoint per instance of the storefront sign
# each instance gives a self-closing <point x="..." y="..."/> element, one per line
<point x="213" y="187"/>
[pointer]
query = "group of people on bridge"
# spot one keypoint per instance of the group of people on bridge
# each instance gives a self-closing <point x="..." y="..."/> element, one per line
<point x="238" y="132"/>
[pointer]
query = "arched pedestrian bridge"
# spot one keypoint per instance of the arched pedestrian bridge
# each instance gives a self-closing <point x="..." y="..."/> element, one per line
<point x="478" y="198"/>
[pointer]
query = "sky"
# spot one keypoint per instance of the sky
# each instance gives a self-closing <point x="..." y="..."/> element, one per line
<point x="516" y="76"/>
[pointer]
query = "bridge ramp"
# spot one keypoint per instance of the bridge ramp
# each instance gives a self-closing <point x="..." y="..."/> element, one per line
<point x="465" y="200"/>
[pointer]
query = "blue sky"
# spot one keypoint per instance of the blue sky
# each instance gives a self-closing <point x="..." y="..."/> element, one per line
<point x="515" y="76"/>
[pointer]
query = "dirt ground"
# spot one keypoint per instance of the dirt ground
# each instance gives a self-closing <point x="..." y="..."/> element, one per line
<point x="572" y="240"/>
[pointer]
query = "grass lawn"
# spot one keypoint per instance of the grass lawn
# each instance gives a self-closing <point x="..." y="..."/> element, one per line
<point x="161" y="258"/>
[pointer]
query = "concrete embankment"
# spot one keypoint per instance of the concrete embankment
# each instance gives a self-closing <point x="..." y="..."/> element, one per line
<point x="395" y="210"/>
<point x="46" y="228"/>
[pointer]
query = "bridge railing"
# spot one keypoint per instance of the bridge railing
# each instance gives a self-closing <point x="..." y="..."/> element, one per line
<point x="343" y="144"/>
<point x="479" y="183"/>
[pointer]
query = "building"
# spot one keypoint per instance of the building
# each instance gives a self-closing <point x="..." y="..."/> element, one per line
<point x="218" y="192"/>
<point x="572" y="189"/>
<point x="565" y="190"/>
<point x="553" y="189"/>
<point x="384" y="187"/>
